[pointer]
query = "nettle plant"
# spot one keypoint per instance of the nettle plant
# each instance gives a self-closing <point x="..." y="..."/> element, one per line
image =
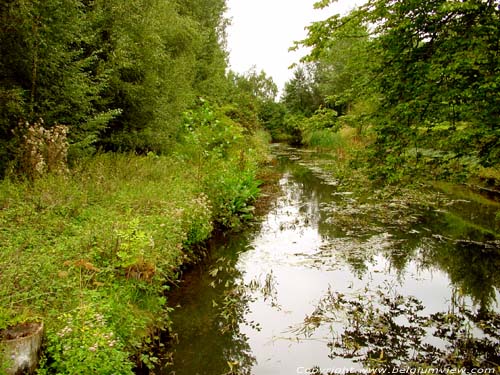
<point x="42" y="149"/>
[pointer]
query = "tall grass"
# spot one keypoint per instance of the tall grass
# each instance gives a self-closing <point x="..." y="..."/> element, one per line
<point x="347" y="151"/>
<point x="91" y="252"/>
<point x="325" y="139"/>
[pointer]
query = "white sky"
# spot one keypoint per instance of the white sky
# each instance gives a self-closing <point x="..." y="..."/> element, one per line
<point x="261" y="32"/>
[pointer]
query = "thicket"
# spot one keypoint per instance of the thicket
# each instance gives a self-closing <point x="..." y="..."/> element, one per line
<point x="118" y="74"/>
<point x="124" y="143"/>
<point x="417" y="80"/>
<point x="92" y="251"/>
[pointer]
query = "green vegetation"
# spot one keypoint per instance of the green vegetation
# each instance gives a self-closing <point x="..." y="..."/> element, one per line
<point x="386" y="330"/>
<point x="118" y="75"/>
<point x="417" y="80"/>
<point x="91" y="251"/>
<point x="403" y="94"/>
<point x="124" y="143"/>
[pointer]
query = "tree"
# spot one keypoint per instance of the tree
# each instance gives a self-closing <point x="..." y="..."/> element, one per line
<point x="162" y="55"/>
<point x="341" y="63"/>
<point x="248" y="94"/>
<point x="211" y="61"/>
<point x="152" y="56"/>
<point x="439" y="71"/>
<point x="46" y="70"/>
<point x="434" y="70"/>
<point x="301" y="95"/>
<point x="272" y="116"/>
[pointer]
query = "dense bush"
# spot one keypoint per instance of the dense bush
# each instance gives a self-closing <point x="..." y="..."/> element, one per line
<point x="419" y="77"/>
<point x="118" y="74"/>
<point x="92" y="251"/>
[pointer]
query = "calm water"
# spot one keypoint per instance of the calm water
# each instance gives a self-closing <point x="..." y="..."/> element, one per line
<point x="330" y="281"/>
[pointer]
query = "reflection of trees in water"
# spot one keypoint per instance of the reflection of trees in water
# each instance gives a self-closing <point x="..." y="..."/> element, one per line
<point x="207" y="325"/>
<point x="472" y="268"/>
<point x="379" y="328"/>
<point x="309" y="191"/>
<point x="405" y="233"/>
<point x="388" y="330"/>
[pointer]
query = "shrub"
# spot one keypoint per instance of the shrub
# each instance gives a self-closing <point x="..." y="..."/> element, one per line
<point x="42" y="150"/>
<point x="86" y="344"/>
<point x="105" y="239"/>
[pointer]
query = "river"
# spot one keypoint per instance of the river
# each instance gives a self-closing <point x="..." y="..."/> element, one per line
<point x="332" y="282"/>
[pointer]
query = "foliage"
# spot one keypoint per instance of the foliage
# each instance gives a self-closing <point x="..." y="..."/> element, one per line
<point x="248" y="95"/>
<point x="320" y="129"/>
<point x="292" y="124"/>
<point x="426" y="74"/>
<point x="441" y="68"/>
<point x="256" y="84"/>
<point x="45" y="71"/>
<point x="324" y="139"/>
<point x="212" y="138"/>
<point x="340" y="60"/>
<point x="239" y="192"/>
<point x="272" y="116"/>
<point x="387" y="331"/>
<point x="300" y="93"/>
<point x="207" y="132"/>
<point x="490" y="176"/>
<point x="119" y="75"/>
<point x="105" y="233"/>
<point x="85" y="344"/>
<point x="105" y="239"/>
<point x="152" y="68"/>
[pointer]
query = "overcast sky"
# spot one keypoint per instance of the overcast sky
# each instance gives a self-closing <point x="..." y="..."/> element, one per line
<point x="261" y="32"/>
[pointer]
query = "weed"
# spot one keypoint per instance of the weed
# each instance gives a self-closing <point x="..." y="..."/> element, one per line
<point x="85" y="344"/>
<point x="42" y="150"/>
<point x="90" y="251"/>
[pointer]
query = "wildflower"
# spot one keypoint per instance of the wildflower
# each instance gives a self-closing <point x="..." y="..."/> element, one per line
<point x="99" y="318"/>
<point x="66" y="330"/>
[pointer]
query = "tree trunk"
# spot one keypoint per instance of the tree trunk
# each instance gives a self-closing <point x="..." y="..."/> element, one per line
<point x="20" y="348"/>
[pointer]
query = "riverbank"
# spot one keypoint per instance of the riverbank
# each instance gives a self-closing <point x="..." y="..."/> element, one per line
<point x="331" y="278"/>
<point x="349" y="162"/>
<point x="92" y="252"/>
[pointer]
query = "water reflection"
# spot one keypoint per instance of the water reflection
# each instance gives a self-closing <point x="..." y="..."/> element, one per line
<point x="211" y="304"/>
<point x="287" y="294"/>
<point x="472" y="269"/>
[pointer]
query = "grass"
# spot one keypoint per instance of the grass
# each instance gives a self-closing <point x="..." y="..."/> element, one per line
<point x="92" y="252"/>
<point x="325" y="139"/>
<point x="346" y="148"/>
